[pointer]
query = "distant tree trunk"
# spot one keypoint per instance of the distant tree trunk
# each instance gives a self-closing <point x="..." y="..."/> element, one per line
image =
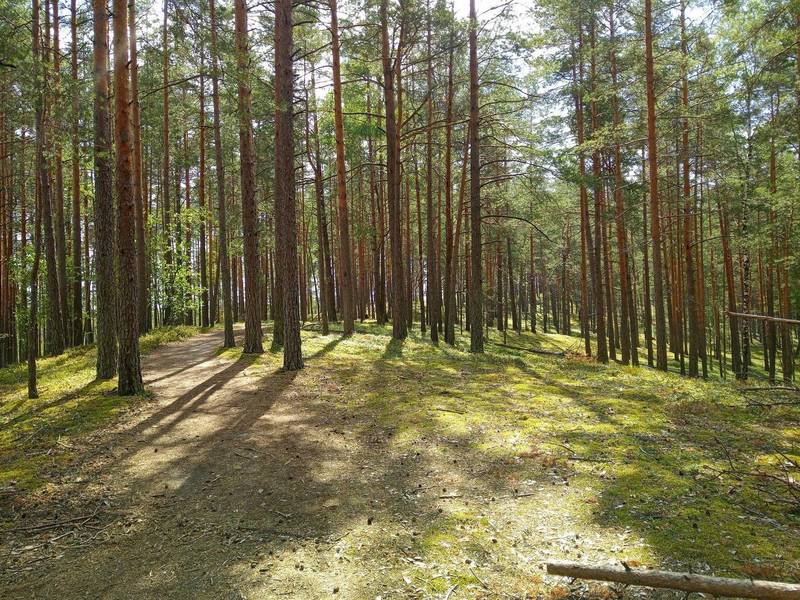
<point x="736" y="357"/>
<point x="532" y="285"/>
<point x="57" y="199"/>
<point x="345" y="259"/>
<point x="658" y="277"/>
<point x="598" y="289"/>
<point x="688" y="215"/>
<point x="222" y="236"/>
<point x="41" y="177"/>
<point x="376" y="214"/>
<point x="512" y="293"/>
<point x="399" y="321"/>
<point x="323" y="260"/>
<point x="201" y="199"/>
<point x="54" y="338"/>
<point x="587" y="252"/>
<point x="423" y="316"/>
<point x="104" y="224"/>
<point x="629" y="336"/>
<point x="284" y="179"/>
<point x="647" y="309"/>
<point x="744" y="255"/>
<point x="165" y="183"/>
<point x="77" y="271"/>
<point x="130" y="371"/>
<point x="143" y="277"/>
<point x="449" y="268"/>
<point x="431" y="261"/>
<point x="476" y="275"/>
<point x="252" y="323"/>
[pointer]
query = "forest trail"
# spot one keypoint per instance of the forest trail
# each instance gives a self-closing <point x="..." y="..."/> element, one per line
<point x="187" y="489"/>
<point x="383" y="469"/>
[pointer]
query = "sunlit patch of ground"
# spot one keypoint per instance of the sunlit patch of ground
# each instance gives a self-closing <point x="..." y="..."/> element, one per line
<point x="403" y="470"/>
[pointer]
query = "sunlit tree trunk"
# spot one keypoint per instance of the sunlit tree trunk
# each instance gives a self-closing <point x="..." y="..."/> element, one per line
<point x="655" y="216"/>
<point x="285" y="183"/>
<point x="345" y="258"/>
<point x="77" y="271"/>
<point x="450" y="267"/>
<point x="628" y="334"/>
<point x="142" y="274"/>
<point x="431" y="261"/>
<point x="598" y="288"/>
<point x="43" y="183"/>
<point x="222" y="236"/>
<point x="399" y="322"/>
<point x="252" y="323"/>
<point x="130" y="371"/>
<point x="476" y="275"/>
<point x="104" y="222"/>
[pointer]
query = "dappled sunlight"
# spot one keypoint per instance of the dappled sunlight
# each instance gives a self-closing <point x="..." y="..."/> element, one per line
<point x="389" y="468"/>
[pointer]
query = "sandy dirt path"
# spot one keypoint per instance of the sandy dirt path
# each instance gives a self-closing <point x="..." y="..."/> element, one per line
<point x="205" y="491"/>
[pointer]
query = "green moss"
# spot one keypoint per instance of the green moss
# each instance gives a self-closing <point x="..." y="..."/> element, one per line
<point x="643" y="452"/>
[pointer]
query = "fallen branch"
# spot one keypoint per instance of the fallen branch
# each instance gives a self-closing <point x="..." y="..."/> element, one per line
<point x="532" y="350"/>
<point x="450" y="410"/>
<point x="686" y="582"/>
<point x="776" y="388"/>
<point x="55" y="524"/>
<point x="768" y="404"/>
<point x="764" y="318"/>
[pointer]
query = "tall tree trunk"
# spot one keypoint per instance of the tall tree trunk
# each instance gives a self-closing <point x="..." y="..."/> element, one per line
<point x="41" y="178"/>
<point x="376" y="210"/>
<point x="323" y="259"/>
<point x="345" y="258"/>
<point x="628" y="334"/>
<point x="449" y="258"/>
<point x="57" y="199"/>
<point x="54" y="338"/>
<point x="201" y="199"/>
<point x="433" y="294"/>
<point x="587" y="252"/>
<point x="423" y="315"/>
<point x="252" y="323"/>
<point x="476" y="275"/>
<point x="77" y="272"/>
<point x="688" y="214"/>
<point x="399" y="321"/>
<point x="143" y="277"/>
<point x="598" y="289"/>
<point x="104" y="223"/>
<point x="130" y="371"/>
<point x="655" y="216"/>
<point x="284" y="179"/>
<point x="165" y="175"/>
<point x="736" y="357"/>
<point x="222" y="236"/>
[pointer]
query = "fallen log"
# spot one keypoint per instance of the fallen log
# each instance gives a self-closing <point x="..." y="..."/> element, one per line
<point x="686" y="582"/>
<point x="763" y="318"/>
<point x="531" y="350"/>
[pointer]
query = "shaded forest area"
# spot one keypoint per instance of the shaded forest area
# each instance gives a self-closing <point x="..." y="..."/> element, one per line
<point x="585" y="211"/>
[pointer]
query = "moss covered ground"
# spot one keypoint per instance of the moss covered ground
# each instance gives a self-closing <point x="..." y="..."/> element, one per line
<point x="416" y="470"/>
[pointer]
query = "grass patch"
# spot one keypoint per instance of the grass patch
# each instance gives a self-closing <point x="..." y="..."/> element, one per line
<point x="646" y="454"/>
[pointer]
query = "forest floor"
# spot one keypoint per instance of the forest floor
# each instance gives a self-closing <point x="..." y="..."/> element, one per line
<point x="385" y="470"/>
